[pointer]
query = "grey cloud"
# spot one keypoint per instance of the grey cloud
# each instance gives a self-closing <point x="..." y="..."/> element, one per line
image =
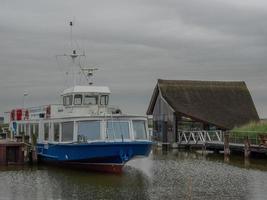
<point x="135" y="43"/>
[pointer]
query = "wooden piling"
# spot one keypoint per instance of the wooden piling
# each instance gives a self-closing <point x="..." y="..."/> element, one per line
<point x="246" y="147"/>
<point x="226" y="147"/>
<point x="34" y="158"/>
<point x="204" y="148"/>
<point x="226" y="144"/>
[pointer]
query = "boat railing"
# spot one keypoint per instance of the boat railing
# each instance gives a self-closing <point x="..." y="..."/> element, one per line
<point x="112" y="109"/>
<point x="42" y="106"/>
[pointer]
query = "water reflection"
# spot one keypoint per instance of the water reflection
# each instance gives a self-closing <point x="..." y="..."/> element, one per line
<point x="170" y="175"/>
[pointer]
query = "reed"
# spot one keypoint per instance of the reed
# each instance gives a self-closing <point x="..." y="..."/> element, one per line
<point x="251" y="129"/>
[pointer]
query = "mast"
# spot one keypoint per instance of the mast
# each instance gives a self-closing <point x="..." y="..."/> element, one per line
<point x="76" y="68"/>
<point x="73" y="55"/>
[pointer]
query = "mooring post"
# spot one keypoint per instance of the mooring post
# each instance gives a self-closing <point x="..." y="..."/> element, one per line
<point x="226" y="146"/>
<point x="34" y="156"/>
<point x="204" y="148"/>
<point x="202" y="137"/>
<point x="246" y="147"/>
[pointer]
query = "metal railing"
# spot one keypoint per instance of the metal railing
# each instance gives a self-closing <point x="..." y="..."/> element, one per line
<point x="199" y="137"/>
<point x="238" y="137"/>
<point x="202" y="136"/>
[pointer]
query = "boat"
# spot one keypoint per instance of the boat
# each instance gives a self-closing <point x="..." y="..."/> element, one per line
<point x="84" y="130"/>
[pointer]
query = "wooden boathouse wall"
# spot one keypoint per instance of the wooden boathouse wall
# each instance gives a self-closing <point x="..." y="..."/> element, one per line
<point x="204" y="105"/>
<point x="164" y="121"/>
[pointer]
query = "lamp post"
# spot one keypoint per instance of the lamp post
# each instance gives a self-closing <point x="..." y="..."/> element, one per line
<point x="25" y="93"/>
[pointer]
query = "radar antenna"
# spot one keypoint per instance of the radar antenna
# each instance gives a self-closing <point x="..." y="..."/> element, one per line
<point x="89" y="73"/>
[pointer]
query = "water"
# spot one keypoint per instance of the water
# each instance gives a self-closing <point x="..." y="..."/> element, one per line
<point x="171" y="175"/>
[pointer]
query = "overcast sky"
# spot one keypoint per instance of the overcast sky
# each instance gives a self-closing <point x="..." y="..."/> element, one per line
<point x="134" y="42"/>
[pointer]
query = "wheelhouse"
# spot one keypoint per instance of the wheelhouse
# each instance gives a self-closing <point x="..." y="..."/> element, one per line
<point x="86" y="96"/>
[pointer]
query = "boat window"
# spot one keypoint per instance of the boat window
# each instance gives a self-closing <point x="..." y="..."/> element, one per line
<point x="118" y="130"/>
<point x="67" y="131"/>
<point x="34" y="128"/>
<point x="67" y="100"/>
<point x="46" y="131"/>
<point x="56" y="132"/>
<point x="104" y="100"/>
<point x="20" y="129"/>
<point x="78" y="99"/>
<point x="31" y="129"/>
<point x="90" y="100"/>
<point x="27" y="132"/>
<point x="139" y="128"/>
<point x="89" y="130"/>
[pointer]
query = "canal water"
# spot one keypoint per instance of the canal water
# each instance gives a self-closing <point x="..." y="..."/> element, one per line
<point x="163" y="175"/>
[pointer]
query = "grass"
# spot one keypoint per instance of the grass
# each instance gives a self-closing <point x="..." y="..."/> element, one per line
<point x="252" y="129"/>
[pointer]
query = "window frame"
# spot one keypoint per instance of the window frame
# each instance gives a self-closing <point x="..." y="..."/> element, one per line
<point x="70" y="97"/>
<point x="20" y="129"/>
<point x="62" y="132"/>
<point x="48" y="126"/>
<point x="75" y="97"/>
<point x="145" y="129"/>
<point x="114" y="134"/>
<point x="88" y="95"/>
<point x="86" y="121"/>
<point x="36" y="130"/>
<point x="106" y="98"/>
<point x="56" y="123"/>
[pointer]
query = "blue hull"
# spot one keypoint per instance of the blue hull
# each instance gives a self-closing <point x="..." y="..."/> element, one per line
<point x="94" y="154"/>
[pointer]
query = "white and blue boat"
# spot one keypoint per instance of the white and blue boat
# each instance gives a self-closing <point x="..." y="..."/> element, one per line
<point x="84" y="130"/>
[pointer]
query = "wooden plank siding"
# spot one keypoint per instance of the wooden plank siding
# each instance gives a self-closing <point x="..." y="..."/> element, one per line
<point x="219" y="104"/>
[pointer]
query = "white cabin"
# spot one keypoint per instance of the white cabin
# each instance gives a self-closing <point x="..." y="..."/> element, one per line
<point x="77" y="101"/>
<point x="83" y="116"/>
<point x="83" y="101"/>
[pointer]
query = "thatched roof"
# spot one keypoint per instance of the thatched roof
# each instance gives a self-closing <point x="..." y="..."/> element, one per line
<point x="222" y="103"/>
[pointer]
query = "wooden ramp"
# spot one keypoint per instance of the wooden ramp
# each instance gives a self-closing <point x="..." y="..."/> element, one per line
<point x="215" y="141"/>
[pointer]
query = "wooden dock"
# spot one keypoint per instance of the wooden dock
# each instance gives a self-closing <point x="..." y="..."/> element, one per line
<point x="218" y="141"/>
<point x="11" y="152"/>
<point x="236" y="147"/>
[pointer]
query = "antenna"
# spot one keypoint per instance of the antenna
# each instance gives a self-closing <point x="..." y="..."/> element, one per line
<point x="25" y="94"/>
<point x="71" y="24"/>
<point x="73" y="55"/>
<point x="89" y="73"/>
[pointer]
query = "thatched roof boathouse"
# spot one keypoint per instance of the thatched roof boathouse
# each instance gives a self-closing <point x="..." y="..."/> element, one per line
<point x="199" y="105"/>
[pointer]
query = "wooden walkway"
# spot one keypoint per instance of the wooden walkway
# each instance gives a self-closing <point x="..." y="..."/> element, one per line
<point x="215" y="141"/>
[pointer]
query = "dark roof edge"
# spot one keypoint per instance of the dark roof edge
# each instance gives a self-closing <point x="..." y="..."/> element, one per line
<point x="153" y="100"/>
<point x="253" y="104"/>
<point x="202" y="81"/>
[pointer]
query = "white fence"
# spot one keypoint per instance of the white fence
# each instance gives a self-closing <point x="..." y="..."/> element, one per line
<point x="199" y="137"/>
